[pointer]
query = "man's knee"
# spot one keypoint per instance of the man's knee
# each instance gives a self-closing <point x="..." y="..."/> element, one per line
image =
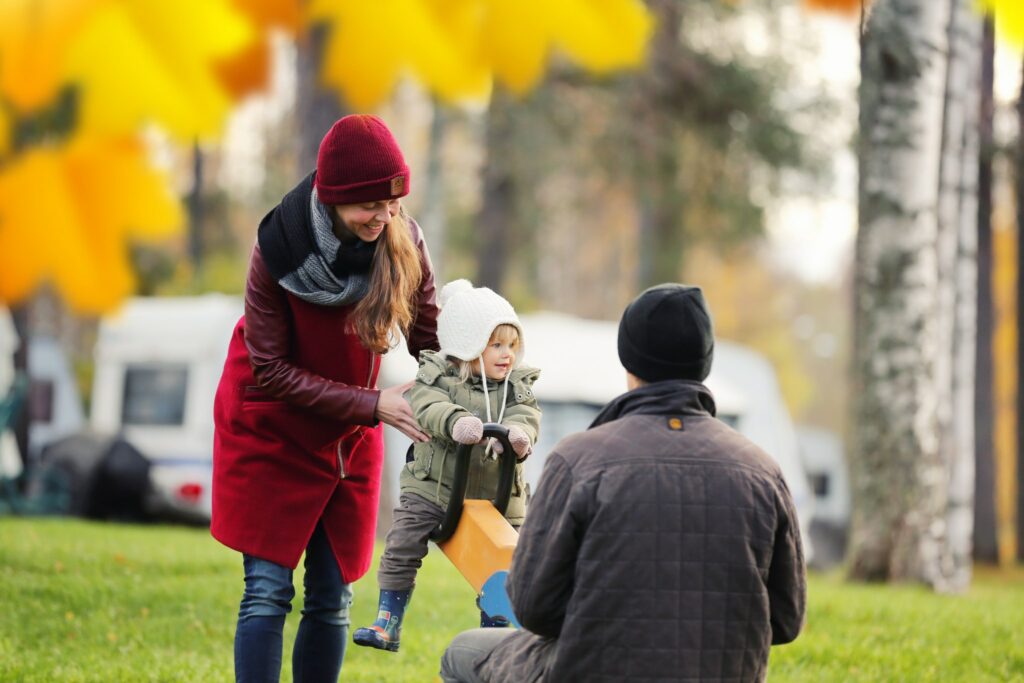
<point x="466" y="649"/>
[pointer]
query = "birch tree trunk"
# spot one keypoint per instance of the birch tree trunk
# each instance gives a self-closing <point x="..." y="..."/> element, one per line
<point x="958" y="223"/>
<point x="912" y="450"/>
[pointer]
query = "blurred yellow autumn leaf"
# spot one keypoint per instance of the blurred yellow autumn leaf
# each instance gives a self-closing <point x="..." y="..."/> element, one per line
<point x="1009" y="16"/>
<point x="517" y="38"/>
<point x="34" y="35"/>
<point x="5" y="133"/>
<point x="132" y="61"/>
<point x="67" y="214"/>
<point x="249" y="71"/>
<point x="455" y="47"/>
<point x="840" y="6"/>
<point x="373" y="44"/>
<point x="280" y="14"/>
<point x="144" y="61"/>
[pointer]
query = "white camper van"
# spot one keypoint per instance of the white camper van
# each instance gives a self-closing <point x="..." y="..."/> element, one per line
<point x="158" y="362"/>
<point x="580" y="372"/>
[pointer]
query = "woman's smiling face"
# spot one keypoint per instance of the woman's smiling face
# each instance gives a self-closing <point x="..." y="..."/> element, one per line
<point x="365" y="220"/>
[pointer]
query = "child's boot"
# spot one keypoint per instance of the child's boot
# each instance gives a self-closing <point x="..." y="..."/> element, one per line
<point x="496" y="622"/>
<point x="384" y="634"/>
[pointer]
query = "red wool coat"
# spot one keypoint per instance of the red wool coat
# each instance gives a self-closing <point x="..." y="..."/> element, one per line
<point x="302" y="445"/>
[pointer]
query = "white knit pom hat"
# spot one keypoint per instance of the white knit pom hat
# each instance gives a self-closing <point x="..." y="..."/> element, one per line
<point x="468" y="317"/>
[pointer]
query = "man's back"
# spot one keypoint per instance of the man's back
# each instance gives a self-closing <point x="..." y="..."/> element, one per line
<point x="662" y="545"/>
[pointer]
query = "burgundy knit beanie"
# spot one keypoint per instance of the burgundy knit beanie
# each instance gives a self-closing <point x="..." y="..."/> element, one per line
<point x="359" y="161"/>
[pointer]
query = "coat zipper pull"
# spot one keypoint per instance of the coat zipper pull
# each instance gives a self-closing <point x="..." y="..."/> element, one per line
<point x="341" y="462"/>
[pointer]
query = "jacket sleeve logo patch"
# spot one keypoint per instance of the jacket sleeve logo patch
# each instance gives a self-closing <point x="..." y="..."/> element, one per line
<point x="675" y="424"/>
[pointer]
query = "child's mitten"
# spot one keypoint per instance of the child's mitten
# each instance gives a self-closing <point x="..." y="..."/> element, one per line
<point x="468" y="429"/>
<point x="519" y="440"/>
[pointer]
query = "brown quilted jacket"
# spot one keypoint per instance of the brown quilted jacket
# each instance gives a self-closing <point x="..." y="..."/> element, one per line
<point x="661" y="545"/>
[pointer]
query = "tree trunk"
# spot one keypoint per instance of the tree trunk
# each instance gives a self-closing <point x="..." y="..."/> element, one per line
<point x="196" y="243"/>
<point x="985" y="543"/>
<point x="495" y="225"/>
<point x="317" y="107"/>
<point x="1020" y="317"/>
<point x="433" y="212"/>
<point x="21" y="316"/>
<point x="661" y="236"/>
<point x="958" y="194"/>
<point x="914" y="301"/>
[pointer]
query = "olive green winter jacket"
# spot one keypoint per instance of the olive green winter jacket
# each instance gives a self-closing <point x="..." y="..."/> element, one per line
<point x="438" y="399"/>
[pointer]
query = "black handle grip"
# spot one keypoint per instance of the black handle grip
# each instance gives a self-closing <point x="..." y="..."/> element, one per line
<point x="453" y="513"/>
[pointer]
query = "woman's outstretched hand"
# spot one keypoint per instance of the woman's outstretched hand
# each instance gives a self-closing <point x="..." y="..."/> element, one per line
<point x="393" y="409"/>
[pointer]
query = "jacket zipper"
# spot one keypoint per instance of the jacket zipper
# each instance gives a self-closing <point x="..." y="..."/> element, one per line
<point x="341" y="462"/>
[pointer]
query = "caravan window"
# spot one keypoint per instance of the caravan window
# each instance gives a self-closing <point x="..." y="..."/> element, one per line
<point x="730" y="419"/>
<point x="40" y="401"/>
<point x="561" y="419"/>
<point x="154" y="394"/>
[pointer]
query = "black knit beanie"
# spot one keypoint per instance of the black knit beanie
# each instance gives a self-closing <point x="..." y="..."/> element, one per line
<point x="666" y="333"/>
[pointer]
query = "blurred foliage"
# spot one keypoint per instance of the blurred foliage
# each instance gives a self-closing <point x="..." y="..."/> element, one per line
<point x="220" y="272"/>
<point x="80" y="80"/>
<point x="455" y="48"/>
<point x="1009" y="16"/>
<point x="697" y="140"/>
<point x="133" y="61"/>
<point x="840" y="6"/>
<point x="801" y="328"/>
<point x="66" y="213"/>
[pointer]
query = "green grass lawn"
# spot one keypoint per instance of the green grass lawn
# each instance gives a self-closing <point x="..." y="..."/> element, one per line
<point x="102" y="602"/>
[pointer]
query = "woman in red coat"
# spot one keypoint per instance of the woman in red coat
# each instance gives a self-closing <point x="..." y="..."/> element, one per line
<point x="297" y="449"/>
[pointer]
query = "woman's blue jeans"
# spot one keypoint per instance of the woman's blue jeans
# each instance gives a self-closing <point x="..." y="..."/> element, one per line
<point x="323" y="632"/>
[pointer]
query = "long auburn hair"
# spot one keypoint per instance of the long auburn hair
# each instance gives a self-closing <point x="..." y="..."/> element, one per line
<point x="394" y="278"/>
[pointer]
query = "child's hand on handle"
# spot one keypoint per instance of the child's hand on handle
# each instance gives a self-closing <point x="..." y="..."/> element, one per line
<point x="520" y="442"/>
<point x="468" y="430"/>
<point x="392" y="409"/>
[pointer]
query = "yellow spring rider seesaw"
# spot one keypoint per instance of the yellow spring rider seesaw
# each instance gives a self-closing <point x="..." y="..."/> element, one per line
<point x="475" y="535"/>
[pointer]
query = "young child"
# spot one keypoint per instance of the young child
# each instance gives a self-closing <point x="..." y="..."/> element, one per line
<point x="475" y="378"/>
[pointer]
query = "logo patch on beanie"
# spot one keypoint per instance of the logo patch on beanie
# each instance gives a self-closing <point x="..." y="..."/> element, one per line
<point x="675" y="424"/>
<point x="397" y="185"/>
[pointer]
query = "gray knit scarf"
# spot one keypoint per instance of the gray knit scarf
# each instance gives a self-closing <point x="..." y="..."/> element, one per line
<point x="304" y="255"/>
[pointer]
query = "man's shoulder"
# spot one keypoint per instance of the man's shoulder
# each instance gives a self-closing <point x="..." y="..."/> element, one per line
<point x="692" y="439"/>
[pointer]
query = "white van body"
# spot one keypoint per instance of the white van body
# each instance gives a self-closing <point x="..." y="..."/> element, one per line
<point x="55" y="404"/>
<point x="821" y="452"/>
<point x="158" y="363"/>
<point x="10" y="461"/>
<point x="580" y="372"/>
